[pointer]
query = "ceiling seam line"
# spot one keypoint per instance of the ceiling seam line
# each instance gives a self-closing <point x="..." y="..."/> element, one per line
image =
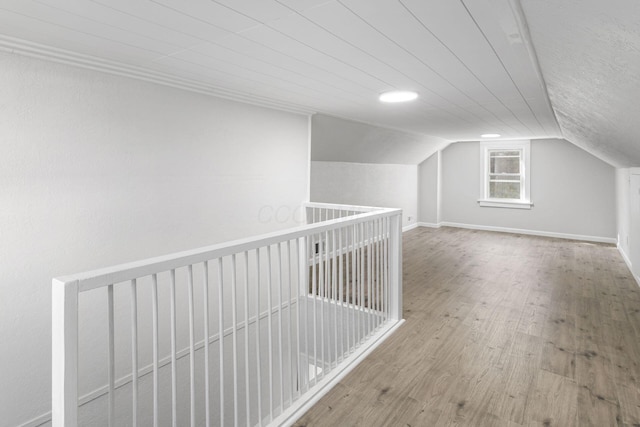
<point x="344" y="63"/>
<point x="309" y="46"/>
<point x="434" y="71"/>
<point x="106" y="24"/>
<point x="114" y="68"/>
<point x="374" y="57"/>
<point x="238" y="34"/>
<point x="501" y="62"/>
<point x="320" y="82"/>
<point x="384" y="63"/>
<point x="233" y="64"/>
<point x="465" y="66"/>
<point x="518" y="11"/>
<point x="231" y="33"/>
<point x="261" y="23"/>
<point x="251" y="79"/>
<point x="426" y="65"/>
<point x="80" y="32"/>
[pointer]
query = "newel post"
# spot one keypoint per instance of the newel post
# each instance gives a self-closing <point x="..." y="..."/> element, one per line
<point x="64" y="369"/>
<point x="395" y="267"/>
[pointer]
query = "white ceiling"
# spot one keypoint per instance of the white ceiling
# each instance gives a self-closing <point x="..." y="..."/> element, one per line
<point x="473" y="62"/>
<point x="470" y="60"/>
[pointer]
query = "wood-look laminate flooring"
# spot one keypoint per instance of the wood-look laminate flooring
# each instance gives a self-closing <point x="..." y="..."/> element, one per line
<point x="501" y="330"/>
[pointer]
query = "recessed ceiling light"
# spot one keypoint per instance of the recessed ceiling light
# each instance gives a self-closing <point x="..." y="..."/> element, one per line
<point x="490" y="135"/>
<point x="398" y="96"/>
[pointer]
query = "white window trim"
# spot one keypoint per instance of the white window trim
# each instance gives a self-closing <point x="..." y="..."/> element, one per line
<point x="525" y="200"/>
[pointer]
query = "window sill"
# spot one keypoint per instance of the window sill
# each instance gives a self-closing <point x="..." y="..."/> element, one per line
<point x="509" y="204"/>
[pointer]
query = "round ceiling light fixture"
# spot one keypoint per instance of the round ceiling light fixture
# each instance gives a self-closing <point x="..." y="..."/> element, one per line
<point x="490" y="135"/>
<point x="398" y="96"/>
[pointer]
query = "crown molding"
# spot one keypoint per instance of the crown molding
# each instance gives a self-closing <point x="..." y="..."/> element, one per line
<point x="35" y="50"/>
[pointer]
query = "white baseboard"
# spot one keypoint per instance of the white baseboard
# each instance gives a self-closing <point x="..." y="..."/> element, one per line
<point x="627" y="261"/>
<point x="428" y="224"/>
<point x="410" y="227"/>
<point x="625" y="257"/>
<point x="597" y="239"/>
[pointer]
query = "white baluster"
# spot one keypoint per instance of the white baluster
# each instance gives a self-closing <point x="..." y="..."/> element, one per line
<point x="111" y="358"/>
<point x="221" y="336"/>
<point x="174" y="366"/>
<point x="258" y="350"/>
<point x="246" y="338"/>
<point x="207" y="385"/>
<point x="234" y="337"/>
<point x="154" y="315"/>
<point x="270" y="329"/>
<point x="134" y="351"/>
<point x="280" y="302"/>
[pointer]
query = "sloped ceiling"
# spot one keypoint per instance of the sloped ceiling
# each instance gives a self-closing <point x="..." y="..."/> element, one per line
<point x="469" y="60"/>
<point x="589" y="52"/>
<point x="473" y="62"/>
<point x="338" y="140"/>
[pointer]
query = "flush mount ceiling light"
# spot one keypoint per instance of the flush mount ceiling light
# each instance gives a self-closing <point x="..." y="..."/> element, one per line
<point x="398" y="96"/>
<point x="490" y="135"/>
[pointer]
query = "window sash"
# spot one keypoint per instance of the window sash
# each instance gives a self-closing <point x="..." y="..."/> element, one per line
<point x="504" y="177"/>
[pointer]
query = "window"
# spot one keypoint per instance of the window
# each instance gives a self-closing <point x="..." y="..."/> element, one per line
<point x="505" y="174"/>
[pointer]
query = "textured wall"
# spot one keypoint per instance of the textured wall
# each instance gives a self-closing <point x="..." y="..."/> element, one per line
<point x="97" y="169"/>
<point x="589" y="53"/>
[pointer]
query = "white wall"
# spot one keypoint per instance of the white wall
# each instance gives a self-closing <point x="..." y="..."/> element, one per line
<point x="391" y="186"/>
<point x="628" y="209"/>
<point x="623" y="210"/>
<point x="340" y="140"/>
<point x="98" y="169"/>
<point x="572" y="191"/>
<point x="428" y="190"/>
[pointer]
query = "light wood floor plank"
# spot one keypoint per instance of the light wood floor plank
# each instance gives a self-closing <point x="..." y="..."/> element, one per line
<point x="553" y="401"/>
<point x="501" y="330"/>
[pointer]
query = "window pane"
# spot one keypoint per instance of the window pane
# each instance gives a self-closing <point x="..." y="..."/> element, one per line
<point x="505" y="164"/>
<point x="504" y="153"/>
<point x="504" y="190"/>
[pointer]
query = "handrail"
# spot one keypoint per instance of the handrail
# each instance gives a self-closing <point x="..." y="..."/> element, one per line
<point x="355" y="208"/>
<point x="326" y="293"/>
<point x="122" y="272"/>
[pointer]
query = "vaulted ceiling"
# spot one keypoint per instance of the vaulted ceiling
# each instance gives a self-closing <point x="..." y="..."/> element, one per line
<point x="589" y="52"/>
<point x="472" y="62"/>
